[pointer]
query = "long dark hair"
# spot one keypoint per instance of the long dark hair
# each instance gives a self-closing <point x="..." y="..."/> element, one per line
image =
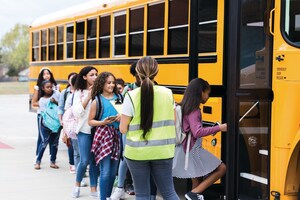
<point x="147" y="69"/>
<point x="100" y="82"/>
<point x="193" y="95"/>
<point x="80" y="83"/>
<point x="41" y="79"/>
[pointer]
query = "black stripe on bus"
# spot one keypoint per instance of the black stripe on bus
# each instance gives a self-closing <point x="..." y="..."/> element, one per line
<point x="202" y="59"/>
<point x="216" y="90"/>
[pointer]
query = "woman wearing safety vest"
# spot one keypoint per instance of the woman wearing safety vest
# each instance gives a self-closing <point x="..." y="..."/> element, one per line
<point x="148" y="120"/>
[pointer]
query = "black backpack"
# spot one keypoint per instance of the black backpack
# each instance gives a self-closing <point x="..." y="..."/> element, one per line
<point x="99" y="108"/>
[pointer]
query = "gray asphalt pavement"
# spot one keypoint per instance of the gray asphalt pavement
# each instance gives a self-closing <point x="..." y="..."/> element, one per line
<point x="18" y="178"/>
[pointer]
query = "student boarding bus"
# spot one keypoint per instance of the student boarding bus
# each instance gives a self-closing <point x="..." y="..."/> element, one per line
<point x="249" y="51"/>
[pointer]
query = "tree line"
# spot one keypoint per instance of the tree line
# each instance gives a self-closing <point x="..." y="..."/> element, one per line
<point x="14" y="49"/>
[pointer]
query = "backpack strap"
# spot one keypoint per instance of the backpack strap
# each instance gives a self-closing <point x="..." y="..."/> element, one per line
<point x="66" y="95"/>
<point x="120" y="97"/>
<point x="186" y="160"/>
<point x="72" y="99"/>
<point x="99" y="107"/>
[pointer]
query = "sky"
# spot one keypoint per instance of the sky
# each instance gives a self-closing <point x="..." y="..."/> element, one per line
<point x="26" y="11"/>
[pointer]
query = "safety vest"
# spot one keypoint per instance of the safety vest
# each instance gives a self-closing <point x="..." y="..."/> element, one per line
<point x="160" y="140"/>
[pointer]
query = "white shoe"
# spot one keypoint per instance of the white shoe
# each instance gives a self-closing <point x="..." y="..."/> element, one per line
<point x="76" y="192"/>
<point x="118" y="194"/>
<point x="83" y="183"/>
<point x="94" y="195"/>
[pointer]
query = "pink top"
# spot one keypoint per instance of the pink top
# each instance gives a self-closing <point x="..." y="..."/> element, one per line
<point x="193" y="123"/>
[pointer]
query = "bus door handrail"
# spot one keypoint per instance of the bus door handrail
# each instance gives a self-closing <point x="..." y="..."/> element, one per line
<point x="248" y="111"/>
<point x="271" y="20"/>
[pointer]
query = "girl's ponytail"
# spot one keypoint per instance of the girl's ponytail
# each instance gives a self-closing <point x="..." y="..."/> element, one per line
<point x="147" y="69"/>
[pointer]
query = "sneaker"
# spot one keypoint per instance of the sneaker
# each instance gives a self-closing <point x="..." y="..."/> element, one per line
<point x="194" y="196"/>
<point x="129" y="189"/>
<point x="72" y="169"/>
<point x="94" y="195"/>
<point x="83" y="183"/>
<point x="76" y="192"/>
<point x="119" y="193"/>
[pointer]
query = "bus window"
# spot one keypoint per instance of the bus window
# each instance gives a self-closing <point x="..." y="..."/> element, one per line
<point x="51" y="43"/>
<point x="35" y="46"/>
<point x="104" y="41"/>
<point x="91" y="38"/>
<point x="136" y="32"/>
<point x="207" y="31"/>
<point x="254" y="47"/>
<point x="155" y="39"/>
<point x="70" y="36"/>
<point x="80" y="40"/>
<point x="178" y="27"/>
<point x="292" y="21"/>
<point x="119" y="33"/>
<point x="44" y="45"/>
<point x="60" y="43"/>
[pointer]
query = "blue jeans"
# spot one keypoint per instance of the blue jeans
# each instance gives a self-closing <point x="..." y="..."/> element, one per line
<point x="39" y="139"/>
<point x="86" y="157"/>
<point x="122" y="166"/>
<point x="160" y="170"/>
<point x="47" y="137"/>
<point x="122" y="173"/>
<point x="75" y="152"/>
<point x="108" y="170"/>
<point x="71" y="154"/>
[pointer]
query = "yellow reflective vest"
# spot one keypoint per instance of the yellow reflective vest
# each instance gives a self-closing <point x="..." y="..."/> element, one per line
<point x="160" y="140"/>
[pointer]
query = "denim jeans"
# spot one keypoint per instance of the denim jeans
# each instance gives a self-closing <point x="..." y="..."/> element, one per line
<point x="160" y="170"/>
<point x="39" y="139"/>
<point x="47" y="137"/>
<point x="75" y="152"/>
<point x="123" y="168"/>
<point x="86" y="157"/>
<point x="71" y="154"/>
<point x="108" y="170"/>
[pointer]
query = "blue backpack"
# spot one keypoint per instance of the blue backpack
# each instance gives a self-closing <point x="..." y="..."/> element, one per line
<point x="50" y="117"/>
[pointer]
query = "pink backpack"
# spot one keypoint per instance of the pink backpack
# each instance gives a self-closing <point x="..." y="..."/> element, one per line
<point x="70" y="122"/>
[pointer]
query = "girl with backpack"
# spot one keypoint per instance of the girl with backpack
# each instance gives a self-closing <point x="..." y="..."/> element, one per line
<point x="47" y="134"/>
<point x="81" y="108"/>
<point x="61" y="109"/>
<point x="201" y="163"/>
<point x="105" y="117"/>
<point x="45" y="74"/>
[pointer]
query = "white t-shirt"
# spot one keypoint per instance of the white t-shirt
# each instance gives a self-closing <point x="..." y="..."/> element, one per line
<point x="81" y="113"/>
<point x="43" y="101"/>
<point x="127" y="107"/>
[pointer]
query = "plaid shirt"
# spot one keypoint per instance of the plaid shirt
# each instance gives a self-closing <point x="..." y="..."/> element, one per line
<point x="106" y="141"/>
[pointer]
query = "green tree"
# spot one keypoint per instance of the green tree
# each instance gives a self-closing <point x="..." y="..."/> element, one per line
<point x="15" y="49"/>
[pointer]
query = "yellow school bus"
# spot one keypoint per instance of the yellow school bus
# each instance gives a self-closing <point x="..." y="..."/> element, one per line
<point x="247" y="50"/>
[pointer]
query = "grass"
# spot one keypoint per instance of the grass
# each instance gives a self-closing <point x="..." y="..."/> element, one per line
<point x="14" y="88"/>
